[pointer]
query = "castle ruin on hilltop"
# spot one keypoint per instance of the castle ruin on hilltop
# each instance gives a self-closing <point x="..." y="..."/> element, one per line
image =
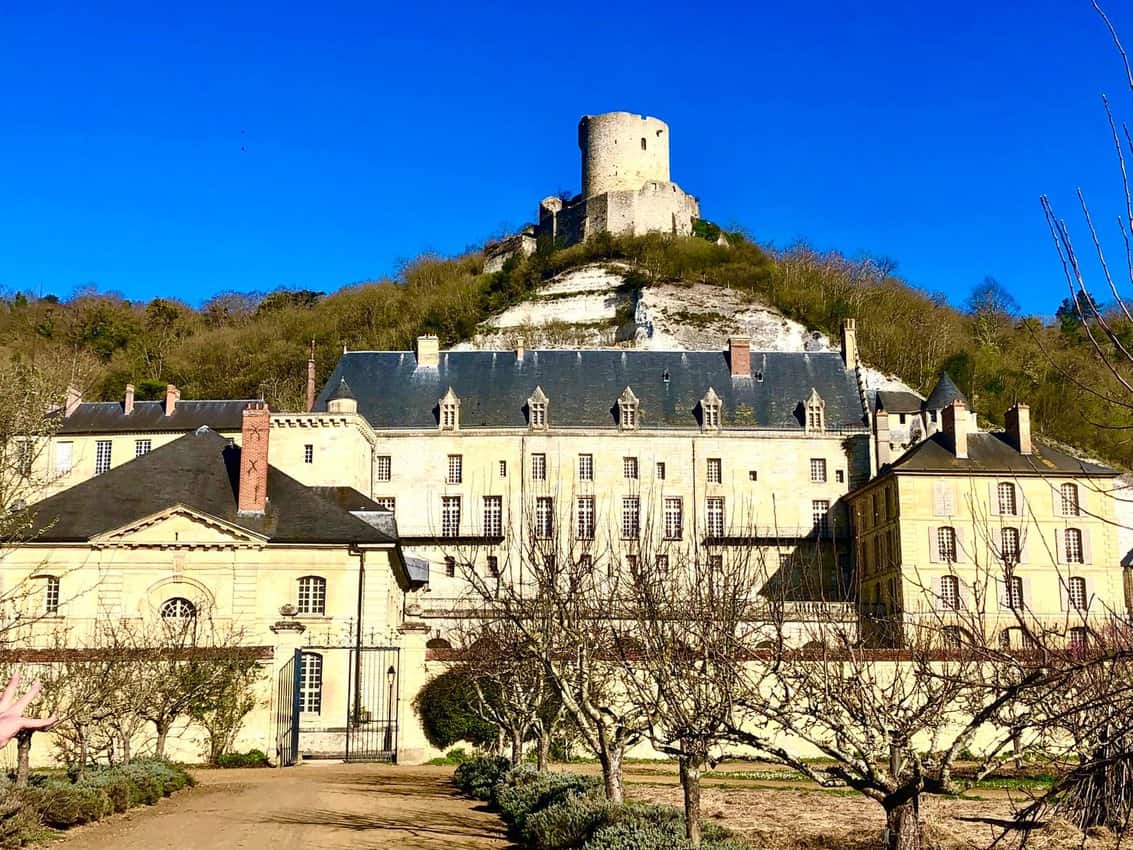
<point x="625" y="189"/>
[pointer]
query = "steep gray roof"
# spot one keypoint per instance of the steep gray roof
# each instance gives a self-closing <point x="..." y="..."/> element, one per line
<point x="899" y="401"/>
<point x="993" y="454"/>
<point x="201" y="471"/>
<point x="342" y="390"/>
<point x="944" y="393"/>
<point x="110" y="417"/>
<point x="584" y="386"/>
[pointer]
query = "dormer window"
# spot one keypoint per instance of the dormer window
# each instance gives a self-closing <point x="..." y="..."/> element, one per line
<point x="537" y="410"/>
<point x="815" y="413"/>
<point x="450" y="411"/>
<point x="710" y="411"/>
<point x="628" y="414"/>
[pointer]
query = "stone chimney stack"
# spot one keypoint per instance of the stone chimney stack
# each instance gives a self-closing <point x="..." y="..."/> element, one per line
<point x="252" y="496"/>
<point x="73" y="400"/>
<point x="956" y="424"/>
<point x="850" y="343"/>
<point x="1019" y="428"/>
<point x="172" y="396"/>
<point x="739" y="356"/>
<point x="311" y="379"/>
<point x="519" y="348"/>
<point x="128" y="407"/>
<point x="881" y="429"/>
<point x="428" y="352"/>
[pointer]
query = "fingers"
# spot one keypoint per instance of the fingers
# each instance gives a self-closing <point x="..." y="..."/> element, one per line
<point x="38" y="722"/>
<point x="9" y="692"/>
<point x="23" y="701"/>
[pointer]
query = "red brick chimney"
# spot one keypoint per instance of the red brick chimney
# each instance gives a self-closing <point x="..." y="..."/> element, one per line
<point x="172" y="396"/>
<point x="739" y="355"/>
<point x="128" y="407"/>
<point x="253" y="493"/>
<point x="311" y="379"/>
<point x="956" y="425"/>
<point x="1019" y="428"/>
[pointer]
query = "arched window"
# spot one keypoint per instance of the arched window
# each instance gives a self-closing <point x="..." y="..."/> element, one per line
<point x="1008" y="504"/>
<point x="537" y="410"/>
<point x="311" y="683"/>
<point x="946" y="544"/>
<point x="449" y="407"/>
<point x="1072" y="538"/>
<point x="1068" y="494"/>
<point x="950" y="592"/>
<point x="1076" y="590"/>
<point x="815" y="413"/>
<point x="312" y="595"/>
<point x="627" y="410"/>
<point x="178" y="608"/>
<point x="1009" y="545"/>
<point x="51" y="594"/>
<point x="710" y="411"/>
<point x="643" y="142"/>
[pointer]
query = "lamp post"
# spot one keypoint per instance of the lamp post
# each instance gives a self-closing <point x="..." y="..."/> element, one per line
<point x="391" y="676"/>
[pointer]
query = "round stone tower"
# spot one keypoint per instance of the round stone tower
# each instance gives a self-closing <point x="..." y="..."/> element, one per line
<point x="622" y="151"/>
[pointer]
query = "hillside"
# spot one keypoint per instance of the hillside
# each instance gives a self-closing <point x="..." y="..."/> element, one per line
<point x="647" y="291"/>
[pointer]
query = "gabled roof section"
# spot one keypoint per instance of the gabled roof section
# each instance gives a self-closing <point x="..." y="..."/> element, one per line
<point x="200" y="471"/>
<point x="494" y="386"/>
<point x="341" y="391"/>
<point x="107" y="417"/>
<point x="899" y="401"/>
<point x="944" y="393"/>
<point x="992" y="454"/>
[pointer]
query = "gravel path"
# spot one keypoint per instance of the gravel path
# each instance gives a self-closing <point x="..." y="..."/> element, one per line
<point x="327" y="806"/>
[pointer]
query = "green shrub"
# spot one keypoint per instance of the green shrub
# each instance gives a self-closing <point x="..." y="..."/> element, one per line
<point x="19" y="821"/>
<point x="117" y="786"/>
<point x="569" y="822"/>
<point x="61" y="804"/>
<point x="525" y="792"/>
<point x="477" y="777"/>
<point x="252" y="758"/>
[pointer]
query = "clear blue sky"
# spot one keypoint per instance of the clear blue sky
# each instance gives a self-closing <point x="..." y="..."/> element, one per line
<point x="184" y="149"/>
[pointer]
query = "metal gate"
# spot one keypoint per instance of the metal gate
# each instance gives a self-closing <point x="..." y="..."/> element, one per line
<point x="372" y="697"/>
<point x="287" y="711"/>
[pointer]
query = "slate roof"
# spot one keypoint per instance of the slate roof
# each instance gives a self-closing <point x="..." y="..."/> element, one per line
<point x="110" y="417"/>
<point x="944" y="393"/>
<point x="584" y="387"/>
<point x="899" y="401"/>
<point x="991" y="453"/>
<point x="200" y="471"/>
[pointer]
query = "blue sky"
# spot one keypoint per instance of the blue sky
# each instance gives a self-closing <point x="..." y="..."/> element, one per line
<point x="203" y="147"/>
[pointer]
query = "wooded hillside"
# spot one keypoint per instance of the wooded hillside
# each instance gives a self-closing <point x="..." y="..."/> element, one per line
<point x="241" y="345"/>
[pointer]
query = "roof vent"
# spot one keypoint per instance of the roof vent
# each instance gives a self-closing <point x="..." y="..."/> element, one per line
<point x="758" y="375"/>
<point x="666" y="377"/>
<point x="204" y="429"/>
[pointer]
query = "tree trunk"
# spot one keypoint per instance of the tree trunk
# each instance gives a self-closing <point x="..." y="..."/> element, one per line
<point x="516" y="747"/>
<point x="23" y="757"/>
<point x="84" y="752"/>
<point x="611" y="761"/>
<point x="125" y="738"/>
<point x="691" y="768"/>
<point x="903" y="827"/>
<point x="500" y="736"/>
<point x="543" y="749"/>
<point x="162" y="733"/>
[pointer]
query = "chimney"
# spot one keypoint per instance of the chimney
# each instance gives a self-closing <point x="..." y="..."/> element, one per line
<point x="956" y="423"/>
<point x="519" y="348"/>
<point x="1019" y="428"/>
<point x="128" y="408"/>
<point x="739" y="355"/>
<point x="881" y="428"/>
<point x="311" y="379"/>
<point x="850" y="343"/>
<point x="428" y="352"/>
<point x="253" y="492"/>
<point x="172" y="396"/>
<point x="73" y="400"/>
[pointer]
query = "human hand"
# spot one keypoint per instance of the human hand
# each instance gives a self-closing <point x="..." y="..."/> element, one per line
<point x="12" y="710"/>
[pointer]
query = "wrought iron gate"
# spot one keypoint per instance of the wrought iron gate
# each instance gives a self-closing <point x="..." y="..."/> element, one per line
<point x="287" y="711"/>
<point x="372" y="697"/>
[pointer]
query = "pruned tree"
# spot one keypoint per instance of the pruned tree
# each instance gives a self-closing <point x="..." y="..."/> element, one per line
<point x="227" y="697"/>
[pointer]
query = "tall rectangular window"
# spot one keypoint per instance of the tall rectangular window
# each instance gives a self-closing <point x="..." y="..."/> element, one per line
<point x="308" y="453"/>
<point x="660" y="471"/>
<point x="818" y="470"/>
<point x="101" y="456"/>
<point x="538" y="414"/>
<point x="538" y="467"/>
<point x="661" y="562"/>
<point x="585" y="518"/>
<point x="1068" y="494"/>
<point x="1015" y="592"/>
<point x="946" y="544"/>
<point x="51" y="595"/>
<point x="450" y="516"/>
<point x="586" y="467"/>
<point x="1072" y="538"/>
<point x="629" y="467"/>
<point x="631" y="517"/>
<point x="674" y="519"/>
<point x="311" y="682"/>
<point x="142" y="447"/>
<point x="1008" y="504"/>
<point x="503" y="469"/>
<point x="384" y="467"/>
<point x="64" y="457"/>
<point x="820" y="514"/>
<point x="544" y="517"/>
<point x="450" y="567"/>
<point x="493" y="516"/>
<point x="455" y="469"/>
<point x="714" y="517"/>
<point x="493" y="566"/>
<point x="1077" y="592"/>
<point x="312" y="595"/>
<point x="950" y="592"/>
<point x="1010" y="545"/>
<point x="715" y="471"/>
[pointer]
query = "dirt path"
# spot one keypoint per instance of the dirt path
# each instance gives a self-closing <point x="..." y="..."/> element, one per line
<point x="329" y="806"/>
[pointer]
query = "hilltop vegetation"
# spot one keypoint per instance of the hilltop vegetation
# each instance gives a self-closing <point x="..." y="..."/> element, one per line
<point x="240" y="345"/>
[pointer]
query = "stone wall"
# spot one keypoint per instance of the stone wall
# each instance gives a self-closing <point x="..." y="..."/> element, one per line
<point x="621" y="151"/>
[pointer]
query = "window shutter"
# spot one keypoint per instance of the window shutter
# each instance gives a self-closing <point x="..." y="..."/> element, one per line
<point x="942" y="501"/>
<point x="1087" y="549"/>
<point x="1063" y="592"/>
<point x="1090" y="592"/>
<point x="1055" y="500"/>
<point x="961" y="546"/>
<point x="993" y="498"/>
<point x="1023" y="548"/>
<point x="933" y="547"/>
<point x="1027" y="595"/>
<point x="1020" y="500"/>
<point x="964" y="593"/>
<point x="1060" y="545"/>
<point x="1001" y="593"/>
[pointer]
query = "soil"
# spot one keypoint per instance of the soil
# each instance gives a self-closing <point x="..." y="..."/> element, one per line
<point x="332" y="806"/>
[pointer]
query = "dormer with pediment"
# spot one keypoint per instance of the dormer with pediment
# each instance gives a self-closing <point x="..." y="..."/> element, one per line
<point x="538" y="417"/>
<point x="710" y="407"/>
<point x="814" y="413"/>
<point x="629" y="413"/>
<point x="449" y="409"/>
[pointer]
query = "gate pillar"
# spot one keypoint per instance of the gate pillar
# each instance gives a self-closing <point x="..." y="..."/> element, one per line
<point x="412" y="746"/>
<point x="288" y="641"/>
